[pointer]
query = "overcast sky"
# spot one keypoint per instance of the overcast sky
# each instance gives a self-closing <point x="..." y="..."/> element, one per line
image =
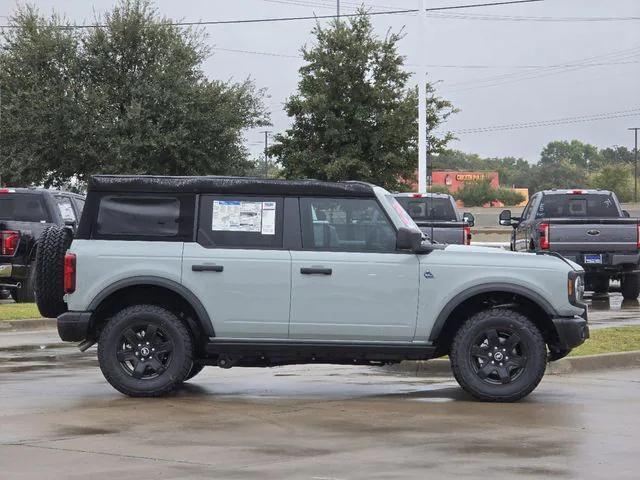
<point x="488" y="63"/>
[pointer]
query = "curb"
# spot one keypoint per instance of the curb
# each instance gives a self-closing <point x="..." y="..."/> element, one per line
<point x="27" y="324"/>
<point x="588" y="363"/>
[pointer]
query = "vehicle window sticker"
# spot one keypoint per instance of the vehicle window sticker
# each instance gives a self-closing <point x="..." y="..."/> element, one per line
<point x="242" y="216"/>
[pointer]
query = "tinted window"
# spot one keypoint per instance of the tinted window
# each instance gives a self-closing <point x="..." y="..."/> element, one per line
<point x="589" y="205"/>
<point x="346" y="224"/>
<point x="240" y="221"/>
<point x="142" y="216"/>
<point x="430" y="208"/>
<point x="65" y="207"/>
<point x="22" y="207"/>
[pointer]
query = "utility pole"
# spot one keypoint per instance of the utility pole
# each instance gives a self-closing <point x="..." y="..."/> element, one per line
<point x="635" y="165"/>
<point x="266" y="152"/>
<point x="422" y="100"/>
<point x="338" y="8"/>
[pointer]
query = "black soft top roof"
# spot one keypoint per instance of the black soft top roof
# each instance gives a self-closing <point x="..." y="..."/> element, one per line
<point x="234" y="185"/>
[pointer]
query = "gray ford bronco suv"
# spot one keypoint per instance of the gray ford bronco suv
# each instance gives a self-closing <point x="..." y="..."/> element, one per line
<point x="170" y="274"/>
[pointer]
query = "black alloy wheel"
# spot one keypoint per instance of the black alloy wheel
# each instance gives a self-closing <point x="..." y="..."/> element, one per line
<point x="498" y="355"/>
<point x="145" y="351"/>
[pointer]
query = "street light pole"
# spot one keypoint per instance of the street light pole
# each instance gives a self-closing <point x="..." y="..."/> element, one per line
<point x="266" y="153"/>
<point x="422" y="100"/>
<point x="635" y="165"/>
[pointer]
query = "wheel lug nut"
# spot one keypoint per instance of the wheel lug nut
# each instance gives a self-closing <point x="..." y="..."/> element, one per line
<point x="500" y="363"/>
<point x="490" y="354"/>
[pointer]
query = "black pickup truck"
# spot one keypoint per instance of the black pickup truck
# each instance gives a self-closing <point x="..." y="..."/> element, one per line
<point x="588" y="227"/>
<point x="24" y="214"/>
<point x="437" y="216"/>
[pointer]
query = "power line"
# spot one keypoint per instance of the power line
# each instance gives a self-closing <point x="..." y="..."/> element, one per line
<point x="436" y="65"/>
<point x="552" y="122"/>
<point x="288" y="19"/>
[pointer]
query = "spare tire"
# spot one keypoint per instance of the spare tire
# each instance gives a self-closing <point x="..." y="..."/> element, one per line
<point x="51" y="248"/>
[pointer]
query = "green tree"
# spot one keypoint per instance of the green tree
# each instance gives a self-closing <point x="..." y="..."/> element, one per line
<point x="561" y="174"/>
<point x="129" y="97"/>
<point x="354" y="117"/>
<point x="478" y="193"/>
<point x="618" y="178"/>
<point x="582" y="155"/>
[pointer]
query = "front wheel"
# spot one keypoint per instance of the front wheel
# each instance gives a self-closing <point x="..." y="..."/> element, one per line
<point x="145" y="351"/>
<point x="630" y="286"/>
<point x="498" y="355"/>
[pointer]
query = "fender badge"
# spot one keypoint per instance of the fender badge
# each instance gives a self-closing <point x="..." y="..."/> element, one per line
<point x="428" y="274"/>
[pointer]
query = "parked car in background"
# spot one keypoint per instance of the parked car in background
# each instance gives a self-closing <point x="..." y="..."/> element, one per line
<point x="588" y="227"/>
<point x="24" y="214"/>
<point x="437" y="216"/>
<point x="170" y="274"/>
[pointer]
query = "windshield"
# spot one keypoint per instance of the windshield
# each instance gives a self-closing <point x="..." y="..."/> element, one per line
<point x="429" y="208"/>
<point x="407" y="221"/>
<point x="581" y="205"/>
<point x="22" y="207"/>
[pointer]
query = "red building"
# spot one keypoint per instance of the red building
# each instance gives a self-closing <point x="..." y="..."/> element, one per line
<point x="454" y="180"/>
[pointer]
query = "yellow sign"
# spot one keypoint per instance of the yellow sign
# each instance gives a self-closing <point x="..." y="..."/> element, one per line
<point x="470" y="177"/>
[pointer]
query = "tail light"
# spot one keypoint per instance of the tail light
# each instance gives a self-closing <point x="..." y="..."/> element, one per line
<point x="467" y="235"/>
<point x="10" y="240"/>
<point x="544" y="236"/>
<point x="70" y="273"/>
<point x="638" y="238"/>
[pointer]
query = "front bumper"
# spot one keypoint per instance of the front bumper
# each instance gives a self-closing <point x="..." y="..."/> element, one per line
<point x="572" y="331"/>
<point x="74" y="326"/>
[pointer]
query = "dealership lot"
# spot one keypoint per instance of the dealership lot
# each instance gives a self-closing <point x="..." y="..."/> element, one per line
<point x="315" y="422"/>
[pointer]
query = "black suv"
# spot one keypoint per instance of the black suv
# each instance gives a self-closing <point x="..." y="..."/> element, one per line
<point x="24" y="214"/>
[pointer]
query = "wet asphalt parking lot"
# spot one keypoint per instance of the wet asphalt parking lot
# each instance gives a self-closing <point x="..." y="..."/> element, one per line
<point x="61" y="420"/>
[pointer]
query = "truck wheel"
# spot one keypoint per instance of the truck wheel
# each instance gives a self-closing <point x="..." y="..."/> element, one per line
<point x="498" y="355"/>
<point x="600" y="284"/>
<point x="49" y="271"/>
<point x="630" y="286"/>
<point x="196" y="368"/>
<point x="145" y="351"/>
<point x="26" y="293"/>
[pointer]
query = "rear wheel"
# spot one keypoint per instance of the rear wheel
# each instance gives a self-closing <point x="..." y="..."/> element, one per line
<point x="630" y="286"/>
<point x="145" y="351"/>
<point x="600" y="284"/>
<point x="498" y="355"/>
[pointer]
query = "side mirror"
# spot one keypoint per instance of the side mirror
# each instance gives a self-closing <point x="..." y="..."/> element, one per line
<point x="626" y="214"/>
<point x="408" y="239"/>
<point x="505" y="218"/>
<point x="469" y="219"/>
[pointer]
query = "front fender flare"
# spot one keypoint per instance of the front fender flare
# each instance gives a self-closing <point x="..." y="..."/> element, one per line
<point x="487" y="288"/>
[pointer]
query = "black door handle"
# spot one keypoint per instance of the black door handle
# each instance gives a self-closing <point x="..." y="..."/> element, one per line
<point x="207" y="268"/>
<point x="315" y="271"/>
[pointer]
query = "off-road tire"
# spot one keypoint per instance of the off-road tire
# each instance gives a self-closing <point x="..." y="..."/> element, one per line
<point x="630" y="286"/>
<point x="174" y="331"/>
<point x="196" y="368"/>
<point x="49" y="270"/>
<point x="532" y="347"/>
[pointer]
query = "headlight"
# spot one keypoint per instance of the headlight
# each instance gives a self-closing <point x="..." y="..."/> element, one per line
<point x="575" y="287"/>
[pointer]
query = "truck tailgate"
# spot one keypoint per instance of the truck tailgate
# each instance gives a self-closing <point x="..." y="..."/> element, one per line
<point x="593" y="235"/>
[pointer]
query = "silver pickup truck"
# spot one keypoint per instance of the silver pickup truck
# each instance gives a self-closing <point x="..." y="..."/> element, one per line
<point x="170" y="274"/>
<point x="438" y="218"/>
<point x="588" y="227"/>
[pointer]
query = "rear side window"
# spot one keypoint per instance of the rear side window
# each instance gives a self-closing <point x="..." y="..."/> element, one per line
<point x="429" y="209"/>
<point x="153" y="217"/>
<point x="576" y="206"/>
<point x="231" y="221"/>
<point x="23" y="207"/>
<point x="65" y="207"/>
